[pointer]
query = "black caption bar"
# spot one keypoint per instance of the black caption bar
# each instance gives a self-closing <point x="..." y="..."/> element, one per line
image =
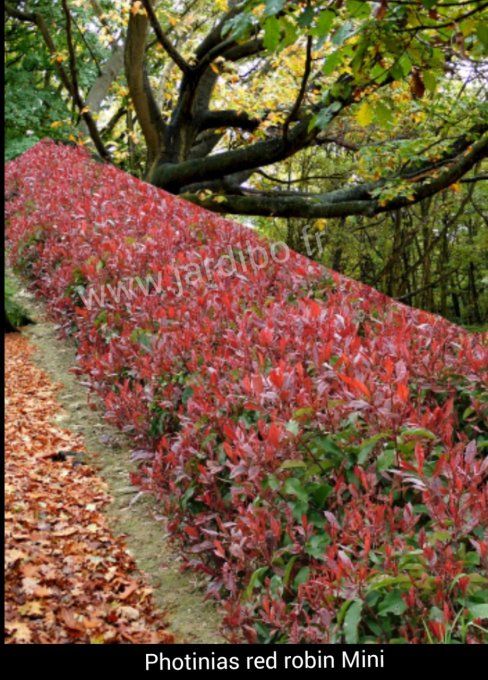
<point x="380" y="660"/>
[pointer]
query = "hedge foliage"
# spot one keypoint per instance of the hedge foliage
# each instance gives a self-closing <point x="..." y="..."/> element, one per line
<point x="318" y="447"/>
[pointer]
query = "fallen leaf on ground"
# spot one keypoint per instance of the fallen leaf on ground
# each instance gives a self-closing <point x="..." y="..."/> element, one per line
<point x="66" y="573"/>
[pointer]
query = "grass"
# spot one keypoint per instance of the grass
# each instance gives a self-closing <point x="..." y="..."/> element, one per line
<point x="13" y="310"/>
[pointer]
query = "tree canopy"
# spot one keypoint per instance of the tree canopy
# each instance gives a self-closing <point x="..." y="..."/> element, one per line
<point x="204" y="98"/>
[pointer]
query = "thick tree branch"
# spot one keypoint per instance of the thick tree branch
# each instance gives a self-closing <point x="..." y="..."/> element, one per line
<point x="71" y="52"/>
<point x="145" y="106"/>
<point x="203" y="80"/>
<point x="303" y="88"/>
<point x="227" y="118"/>
<point x="214" y="37"/>
<point x="205" y="143"/>
<point x="15" y="13"/>
<point x="357" y="200"/>
<point x="174" y="176"/>
<point x="113" y="121"/>
<point x="476" y="178"/>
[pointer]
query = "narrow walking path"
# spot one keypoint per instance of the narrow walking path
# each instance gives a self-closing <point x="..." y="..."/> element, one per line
<point x="68" y="578"/>
<point x="139" y="518"/>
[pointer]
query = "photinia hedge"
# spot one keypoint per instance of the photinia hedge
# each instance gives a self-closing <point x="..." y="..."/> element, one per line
<point x="317" y="446"/>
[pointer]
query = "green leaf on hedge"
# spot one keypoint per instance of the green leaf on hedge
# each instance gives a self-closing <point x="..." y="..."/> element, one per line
<point x="351" y="621"/>
<point x="293" y="464"/>
<point x="393" y="603"/>
<point x="302" y="576"/>
<point x="385" y="460"/>
<point x="255" y="580"/>
<point x="294" y="488"/>
<point x="479" y="611"/>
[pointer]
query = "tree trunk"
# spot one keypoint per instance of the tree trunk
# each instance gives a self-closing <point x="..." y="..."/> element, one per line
<point x="443" y="262"/>
<point x="145" y="106"/>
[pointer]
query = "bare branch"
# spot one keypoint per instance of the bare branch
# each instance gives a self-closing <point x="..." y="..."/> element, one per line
<point x="303" y="88"/>
<point x="163" y="39"/>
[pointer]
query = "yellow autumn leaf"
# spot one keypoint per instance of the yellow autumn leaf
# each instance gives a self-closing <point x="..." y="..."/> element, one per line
<point x="364" y="114"/>
<point x="137" y="8"/>
<point x="32" y="608"/>
<point x="19" y="631"/>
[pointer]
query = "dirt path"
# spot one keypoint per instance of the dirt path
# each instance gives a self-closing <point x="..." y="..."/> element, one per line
<point x="190" y="617"/>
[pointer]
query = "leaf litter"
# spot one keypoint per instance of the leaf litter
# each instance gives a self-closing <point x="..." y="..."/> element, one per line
<point x="68" y="579"/>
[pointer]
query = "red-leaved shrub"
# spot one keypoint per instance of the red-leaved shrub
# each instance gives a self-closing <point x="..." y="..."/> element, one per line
<point x="317" y="446"/>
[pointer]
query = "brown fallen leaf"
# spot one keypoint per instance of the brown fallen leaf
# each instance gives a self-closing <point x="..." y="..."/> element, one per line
<point x="42" y="591"/>
<point x="19" y="630"/>
<point x="90" y="624"/>
<point x="128" y="612"/>
<point x="132" y="587"/>
<point x="71" y="620"/>
<point x="12" y="556"/>
<point x="29" y="585"/>
<point x="32" y="608"/>
<point x="69" y="531"/>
